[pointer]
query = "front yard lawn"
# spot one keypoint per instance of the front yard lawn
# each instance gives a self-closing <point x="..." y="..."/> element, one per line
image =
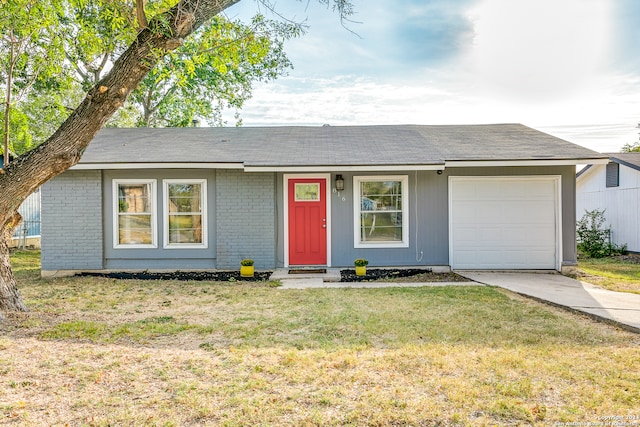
<point x="99" y="351"/>
<point x="620" y="273"/>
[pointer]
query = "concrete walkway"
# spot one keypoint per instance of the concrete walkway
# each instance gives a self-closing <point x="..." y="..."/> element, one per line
<point x="309" y="283"/>
<point x="619" y="308"/>
<point x="331" y="279"/>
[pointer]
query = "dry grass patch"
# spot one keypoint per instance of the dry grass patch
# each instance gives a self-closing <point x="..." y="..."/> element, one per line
<point x="73" y="383"/>
<point x="620" y="274"/>
<point x="110" y="352"/>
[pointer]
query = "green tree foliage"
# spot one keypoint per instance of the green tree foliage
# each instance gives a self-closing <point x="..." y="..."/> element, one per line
<point x="631" y="148"/>
<point x="156" y="34"/>
<point x="213" y="71"/>
<point x="94" y="33"/>
<point x="21" y="139"/>
<point x="63" y="48"/>
<point x="30" y="60"/>
<point x="594" y="238"/>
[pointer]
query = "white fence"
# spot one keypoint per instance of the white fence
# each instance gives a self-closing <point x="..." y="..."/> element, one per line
<point x="30" y="211"/>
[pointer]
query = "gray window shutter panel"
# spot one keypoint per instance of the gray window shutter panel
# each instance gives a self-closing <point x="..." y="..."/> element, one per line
<point x="613" y="175"/>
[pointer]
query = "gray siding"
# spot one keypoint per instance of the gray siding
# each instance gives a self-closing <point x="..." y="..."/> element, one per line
<point x="428" y="234"/>
<point x="429" y="217"/>
<point x="160" y="257"/>
<point x="72" y="222"/>
<point x="246" y="218"/>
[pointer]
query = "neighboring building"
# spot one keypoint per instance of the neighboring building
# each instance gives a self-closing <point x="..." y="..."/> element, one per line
<point x="28" y="232"/>
<point x="614" y="187"/>
<point x="465" y="197"/>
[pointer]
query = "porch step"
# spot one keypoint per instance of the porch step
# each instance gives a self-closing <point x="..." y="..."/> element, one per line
<point x="282" y="274"/>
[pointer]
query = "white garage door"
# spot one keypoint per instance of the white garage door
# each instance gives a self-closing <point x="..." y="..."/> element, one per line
<point x="504" y="222"/>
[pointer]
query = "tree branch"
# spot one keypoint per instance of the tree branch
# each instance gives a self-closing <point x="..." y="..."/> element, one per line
<point x="30" y="83"/>
<point x="169" y="92"/>
<point x="76" y="65"/>
<point x="98" y="71"/>
<point x="64" y="148"/>
<point x="140" y="15"/>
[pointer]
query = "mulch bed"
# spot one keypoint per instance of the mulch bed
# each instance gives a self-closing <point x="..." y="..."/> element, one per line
<point x="348" y="275"/>
<point x="400" y="275"/>
<point x="213" y="276"/>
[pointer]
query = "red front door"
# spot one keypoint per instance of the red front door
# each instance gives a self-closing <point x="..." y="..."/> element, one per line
<point x="307" y="221"/>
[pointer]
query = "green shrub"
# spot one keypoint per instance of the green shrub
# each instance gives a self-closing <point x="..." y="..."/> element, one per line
<point x="594" y="239"/>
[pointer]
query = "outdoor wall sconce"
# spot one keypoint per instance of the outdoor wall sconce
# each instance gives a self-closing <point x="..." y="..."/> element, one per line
<point x="339" y="183"/>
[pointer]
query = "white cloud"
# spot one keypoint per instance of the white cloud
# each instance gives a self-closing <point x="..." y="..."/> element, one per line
<point x="544" y="63"/>
<point x="346" y="100"/>
<point x="602" y="123"/>
<point x="540" y="50"/>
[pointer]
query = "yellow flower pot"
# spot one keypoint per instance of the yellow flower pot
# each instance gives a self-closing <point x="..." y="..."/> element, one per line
<point x="246" y="270"/>
<point x="361" y="271"/>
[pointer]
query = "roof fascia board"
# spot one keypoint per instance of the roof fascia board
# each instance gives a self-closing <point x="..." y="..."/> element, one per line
<point x="91" y="166"/>
<point x="338" y="168"/>
<point x="498" y="163"/>
<point x="345" y="168"/>
<point x="584" y="172"/>
<point x="625" y="163"/>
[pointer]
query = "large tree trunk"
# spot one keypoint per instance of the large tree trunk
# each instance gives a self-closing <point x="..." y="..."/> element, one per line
<point x="10" y="299"/>
<point x="65" y="147"/>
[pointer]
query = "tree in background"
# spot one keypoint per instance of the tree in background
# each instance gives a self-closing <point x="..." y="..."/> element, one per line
<point x="631" y="148"/>
<point x="213" y="70"/>
<point x="30" y="60"/>
<point x="65" y="47"/>
<point x="166" y="31"/>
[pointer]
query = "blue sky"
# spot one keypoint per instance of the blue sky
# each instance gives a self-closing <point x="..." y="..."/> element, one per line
<point x="568" y="67"/>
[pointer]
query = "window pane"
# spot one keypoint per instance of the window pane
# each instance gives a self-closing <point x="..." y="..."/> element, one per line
<point x="381" y="227"/>
<point x="381" y="195"/>
<point x="134" y="198"/>
<point x="134" y="229"/>
<point x="185" y="229"/>
<point x="185" y="207"/>
<point x="184" y="198"/>
<point x="307" y="192"/>
<point x="381" y="206"/>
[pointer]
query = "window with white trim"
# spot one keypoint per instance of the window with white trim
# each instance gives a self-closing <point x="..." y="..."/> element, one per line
<point x="380" y="208"/>
<point x="135" y="212"/>
<point x="185" y="213"/>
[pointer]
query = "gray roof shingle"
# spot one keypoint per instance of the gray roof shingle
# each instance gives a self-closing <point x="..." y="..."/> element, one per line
<point x="631" y="160"/>
<point x="330" y="145"/>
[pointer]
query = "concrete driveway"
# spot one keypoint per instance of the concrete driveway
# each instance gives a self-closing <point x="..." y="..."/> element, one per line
<point x="622" y="309"/>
